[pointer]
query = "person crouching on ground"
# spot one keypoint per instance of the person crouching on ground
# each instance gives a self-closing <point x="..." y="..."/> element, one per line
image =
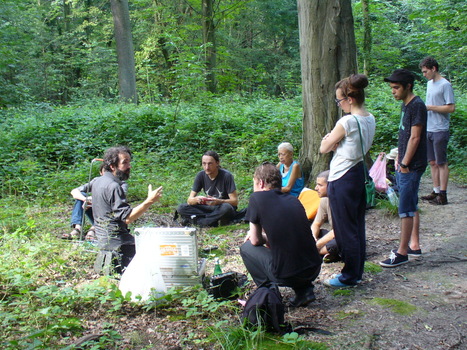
<point x="279" y="248"/>
<point x="325" y="240"/>
<point x="112" y="213"/>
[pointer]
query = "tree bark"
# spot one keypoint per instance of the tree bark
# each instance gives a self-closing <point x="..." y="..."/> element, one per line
<point x="366" y="36"/>
<point x="209" y="40"/>
<point x="125" y="53"/>
<point x="327" y="54"/>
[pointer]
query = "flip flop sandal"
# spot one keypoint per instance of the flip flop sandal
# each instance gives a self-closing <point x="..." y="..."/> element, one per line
<point x="72" y="235"/>
<point x="91" y="235"/>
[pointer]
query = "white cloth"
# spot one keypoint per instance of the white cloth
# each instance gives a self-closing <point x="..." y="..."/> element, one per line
<point x="349" y="151"/>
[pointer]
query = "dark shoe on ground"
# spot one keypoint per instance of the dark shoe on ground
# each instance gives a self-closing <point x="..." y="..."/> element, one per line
<point x="331" y="258"/>
<point x="414" y="253"/>
<point x="441" y="199"/>
<point x="410" y="252"/>
<point x="303" y="297"/>
<point x="395" y="259"/>
<point x="430" y="197"/>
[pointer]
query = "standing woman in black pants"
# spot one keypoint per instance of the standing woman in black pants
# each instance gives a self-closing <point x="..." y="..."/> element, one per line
<point x="346" y="183"/>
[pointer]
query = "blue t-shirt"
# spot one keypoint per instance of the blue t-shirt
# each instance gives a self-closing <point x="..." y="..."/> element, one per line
<point x="299" y="183"/>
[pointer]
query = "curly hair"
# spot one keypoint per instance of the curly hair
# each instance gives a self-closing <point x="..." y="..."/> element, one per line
<point x="111" y="156"/>
<point x="429" y="62"/>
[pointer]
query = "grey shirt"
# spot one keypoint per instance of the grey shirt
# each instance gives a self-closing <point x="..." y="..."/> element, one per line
<point x="110" y="210"/>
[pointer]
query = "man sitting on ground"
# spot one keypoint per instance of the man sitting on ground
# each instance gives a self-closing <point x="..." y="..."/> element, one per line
<point x="220" y="201"/>
<point x="325" y="241"/>
<point x="80" y="208"/>
<point x="112" y="213"/>
<point x="279" y="248"/>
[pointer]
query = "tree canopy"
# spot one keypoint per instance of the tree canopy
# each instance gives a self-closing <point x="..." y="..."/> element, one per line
<point x="64" y="51"/>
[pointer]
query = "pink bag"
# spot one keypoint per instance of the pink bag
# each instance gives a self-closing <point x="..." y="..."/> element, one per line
<point x="378" y="173"/>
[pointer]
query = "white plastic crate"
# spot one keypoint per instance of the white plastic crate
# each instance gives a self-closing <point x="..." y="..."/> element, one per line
<point x="175" y="250"/>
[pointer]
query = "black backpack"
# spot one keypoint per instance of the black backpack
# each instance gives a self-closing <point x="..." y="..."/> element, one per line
<point x="264" y="307"/>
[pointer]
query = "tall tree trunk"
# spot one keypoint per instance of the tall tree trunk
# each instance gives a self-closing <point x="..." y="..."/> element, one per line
<point x="328" y="54"/>
<point x="125" y="53"/>
<point x="209" y="40"/>
<point x="366" y="36"/>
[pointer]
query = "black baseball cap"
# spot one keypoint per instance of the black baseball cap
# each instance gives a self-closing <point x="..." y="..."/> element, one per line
<point x="401" y="76"/>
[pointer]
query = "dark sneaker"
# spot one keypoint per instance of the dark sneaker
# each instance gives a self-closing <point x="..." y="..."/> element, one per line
<point x="395" y="259"/>
<point x="430" y="197"/>
<point x="441" y="199"/>
<point x="303" y="297"/>
<point x="331" y="258"/>
<point x="414" y="253"/>
<point x="410" y="252"/>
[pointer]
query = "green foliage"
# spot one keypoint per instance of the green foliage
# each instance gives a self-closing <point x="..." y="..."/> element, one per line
<point x="397" y="306"/>
<point x="372" y="267"/>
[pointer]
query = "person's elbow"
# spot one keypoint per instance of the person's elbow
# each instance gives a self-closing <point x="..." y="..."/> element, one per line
<point x="451" y="108"/>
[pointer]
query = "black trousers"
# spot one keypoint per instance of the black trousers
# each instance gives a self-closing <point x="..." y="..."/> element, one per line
<point x="348" y="204"/>
<point x="258" y="262"/>
<point x="207" y="215"/>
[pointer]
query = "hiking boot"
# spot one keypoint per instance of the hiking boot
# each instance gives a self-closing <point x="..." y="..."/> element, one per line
<point x="430" y="197"/>
<point x="441" y="199"/>
<point x="303" y="297"/>
<point x="395" y="259"/>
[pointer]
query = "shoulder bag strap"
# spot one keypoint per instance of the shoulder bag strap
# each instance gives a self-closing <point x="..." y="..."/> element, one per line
<point x="365" y="170"/>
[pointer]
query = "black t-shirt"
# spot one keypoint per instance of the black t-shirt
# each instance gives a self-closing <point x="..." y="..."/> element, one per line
<point x="284" y="220"/>
<point x="220" y="187"/>
<point x="414" y="113"/>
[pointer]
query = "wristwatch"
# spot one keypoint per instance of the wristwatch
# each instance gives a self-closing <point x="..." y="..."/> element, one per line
<point x="403" y="166"/>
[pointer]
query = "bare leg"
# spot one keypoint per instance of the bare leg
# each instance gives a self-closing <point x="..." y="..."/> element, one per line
<point x="406" y="232"/>
<point x="415" y="235"/>
<point x="443" y="173"/>
<point x="434" y="173"/>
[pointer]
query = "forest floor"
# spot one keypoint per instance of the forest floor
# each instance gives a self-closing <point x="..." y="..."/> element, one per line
<point x="419" y="305"/>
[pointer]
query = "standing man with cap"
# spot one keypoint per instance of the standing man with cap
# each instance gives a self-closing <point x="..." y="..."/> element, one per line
<point x="412" y="164"/>
<point x="439" y="104"/>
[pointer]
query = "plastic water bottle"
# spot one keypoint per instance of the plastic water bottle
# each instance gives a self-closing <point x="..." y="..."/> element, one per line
<point x="392" y="196"/>
<point x="217" y="268"/>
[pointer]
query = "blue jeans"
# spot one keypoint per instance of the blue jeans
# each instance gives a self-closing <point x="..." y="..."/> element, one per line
<point x="77" y="213"/>
<point x="408" y="192"/>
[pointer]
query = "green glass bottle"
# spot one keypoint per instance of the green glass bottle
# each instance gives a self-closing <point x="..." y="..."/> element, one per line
<point x="217" y="267"/>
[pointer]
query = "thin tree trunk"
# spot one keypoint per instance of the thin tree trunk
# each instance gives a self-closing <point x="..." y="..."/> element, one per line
<point x="328" y="54"/>
<point x="209" y="40"/>
<point x="366" y="36"/>
<point x="125" y="53"/>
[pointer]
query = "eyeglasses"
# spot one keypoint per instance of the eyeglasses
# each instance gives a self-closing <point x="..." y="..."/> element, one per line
<point x="338" y="102"/>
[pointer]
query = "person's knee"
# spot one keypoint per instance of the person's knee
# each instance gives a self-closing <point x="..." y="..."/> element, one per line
<point x="182" y="208"/>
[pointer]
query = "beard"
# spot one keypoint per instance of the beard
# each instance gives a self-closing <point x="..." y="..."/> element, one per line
<point x="123" y="175"/>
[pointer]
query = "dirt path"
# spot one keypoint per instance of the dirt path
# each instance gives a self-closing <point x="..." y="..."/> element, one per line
<point x="431" y="291"/>
<point x="435" y="285"/>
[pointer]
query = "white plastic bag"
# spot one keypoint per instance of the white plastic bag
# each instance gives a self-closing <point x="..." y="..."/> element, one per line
<point x="378" y="173"/>
<point x="142" y="276"/>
